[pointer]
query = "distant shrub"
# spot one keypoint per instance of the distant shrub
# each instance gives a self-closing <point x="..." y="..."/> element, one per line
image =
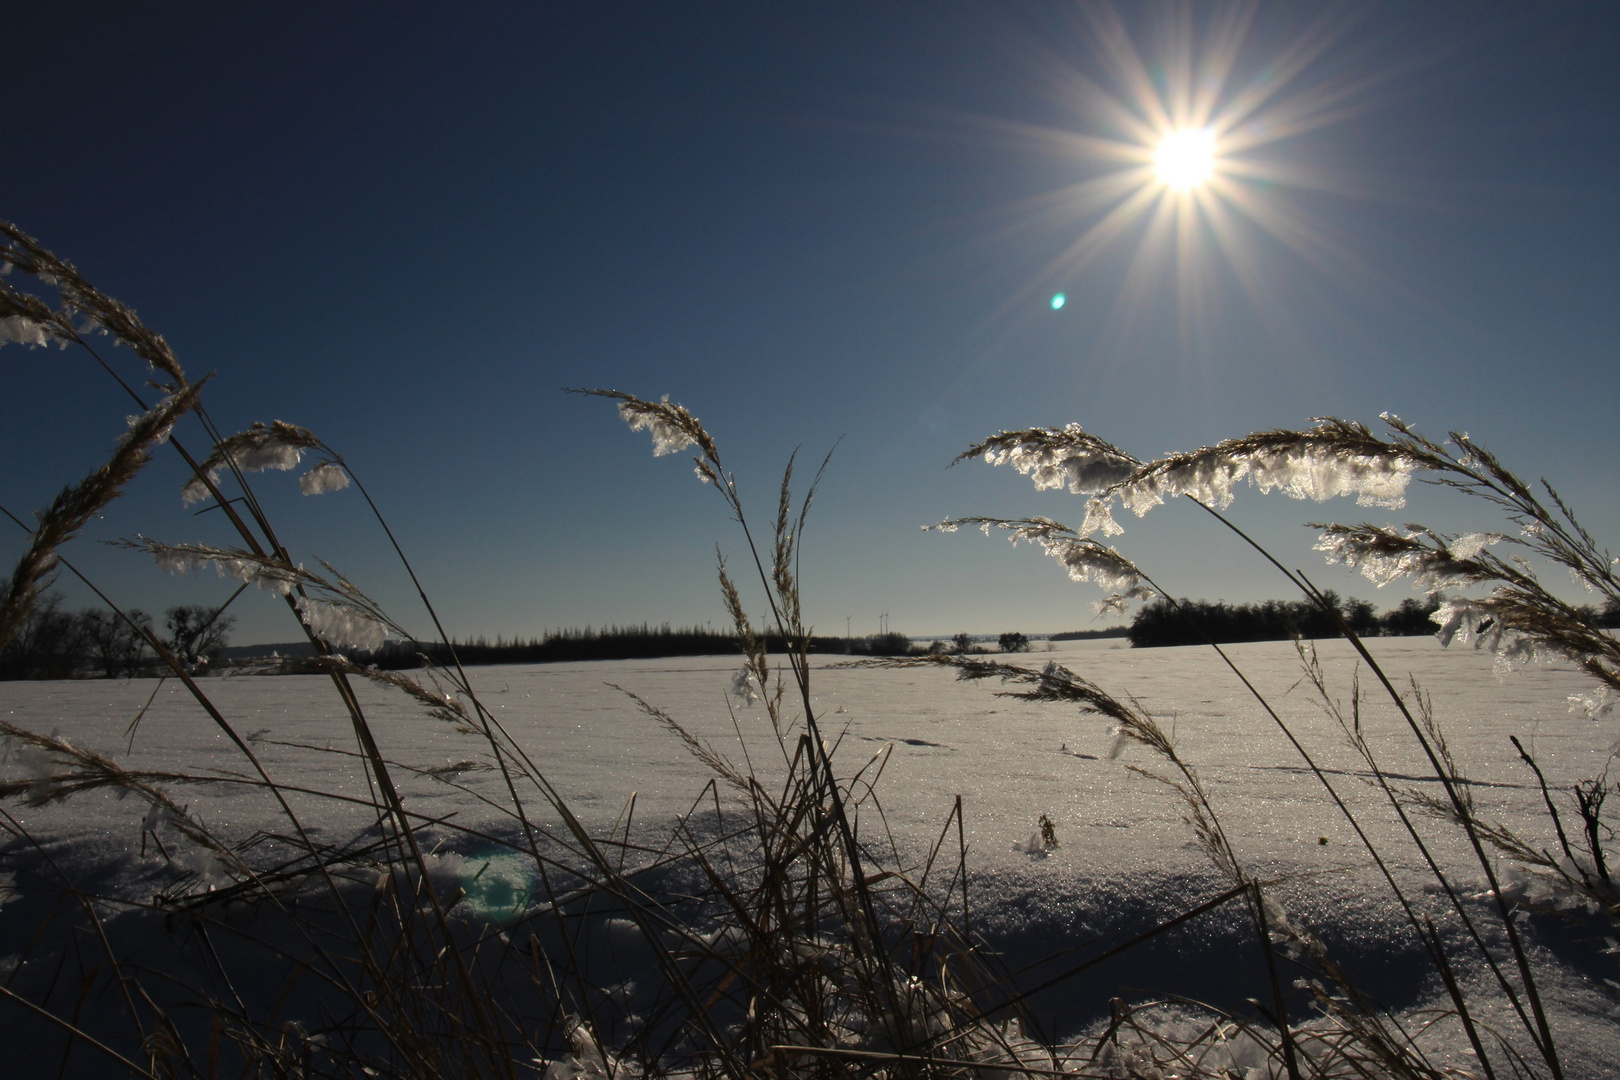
<point x="1012" y="641"/>
<point x="890" y="644"/>
<point x="44" y="644"/>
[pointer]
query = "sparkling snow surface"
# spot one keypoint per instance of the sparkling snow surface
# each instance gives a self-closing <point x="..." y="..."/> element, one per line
<point x="1125" y="853"/>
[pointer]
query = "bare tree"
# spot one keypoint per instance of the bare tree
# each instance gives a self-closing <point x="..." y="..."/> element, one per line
<point x="113" y="643"/>
<point x="197" y="633"/>
<point x="45" y="644"/>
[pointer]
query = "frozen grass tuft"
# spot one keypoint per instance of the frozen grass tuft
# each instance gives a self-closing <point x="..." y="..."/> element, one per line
<point x="777" y="929"/>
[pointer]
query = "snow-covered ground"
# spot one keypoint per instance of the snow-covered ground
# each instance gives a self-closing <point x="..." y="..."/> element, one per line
<point x="1125" y="855"/>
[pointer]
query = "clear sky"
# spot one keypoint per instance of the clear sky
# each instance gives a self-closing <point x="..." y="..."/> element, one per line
<point x="407" y="226"/>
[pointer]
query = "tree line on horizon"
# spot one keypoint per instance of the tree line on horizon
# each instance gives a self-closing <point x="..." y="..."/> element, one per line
<point x="1196" y="622"/>
<point x="644" y="642"/>
<point x="58" y="644"/>
<point x="1159" y="623"/>
<point x="54" y="643"/>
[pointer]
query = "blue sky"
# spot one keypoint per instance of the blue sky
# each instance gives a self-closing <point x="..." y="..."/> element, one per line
<point x="407" y="227"/>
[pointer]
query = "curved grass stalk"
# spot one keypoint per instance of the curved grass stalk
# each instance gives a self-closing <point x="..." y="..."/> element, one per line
<point x="1341" y="457"/>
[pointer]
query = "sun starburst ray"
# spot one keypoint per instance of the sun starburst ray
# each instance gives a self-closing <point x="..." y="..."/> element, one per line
<point x="1188" y="131"/>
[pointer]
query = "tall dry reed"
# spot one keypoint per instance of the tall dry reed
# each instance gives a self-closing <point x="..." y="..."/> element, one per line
<point x="1515" y="615"/>
<point x="784" y="932"/>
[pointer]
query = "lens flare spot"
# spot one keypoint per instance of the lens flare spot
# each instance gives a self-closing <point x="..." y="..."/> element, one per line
<point x="1058" y="300"/>
<point x="497" y="888"/>
<point x="1186" y="158"/>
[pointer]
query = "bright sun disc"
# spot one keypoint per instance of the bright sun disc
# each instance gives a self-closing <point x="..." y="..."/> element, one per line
<point x="1186" y="158"/>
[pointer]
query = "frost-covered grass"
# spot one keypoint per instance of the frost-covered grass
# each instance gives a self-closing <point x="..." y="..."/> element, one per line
<point x="1247" y="861"/>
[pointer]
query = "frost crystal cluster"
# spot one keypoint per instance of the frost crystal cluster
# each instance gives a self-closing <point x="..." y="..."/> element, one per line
<point x="323" y="478"/>
<point x="278" y="446"/>
<point x="1083" y="558"/>
<point x="23" y="331"/>
<point x="340" y="625"/>
<point x="669" y="437"/>
<point x="241" y="565"/>
<point x="1055" y="459"/>
<point x="1471" y="622"/>
<point x="1384" y="555"/>
<point x="1317" y="465"/>
<point x="745" y="687"/>
<point x="587" y="1061"/>
<point x="1335" y="458"/>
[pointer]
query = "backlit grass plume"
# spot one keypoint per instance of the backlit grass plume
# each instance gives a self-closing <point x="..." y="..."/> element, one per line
<point x="1084" y="558"/>
<point x="279" y="445"/>
<point x="1516" y="617"/>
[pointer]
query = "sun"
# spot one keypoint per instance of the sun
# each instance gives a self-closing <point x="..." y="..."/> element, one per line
<point x="1185" y="159"/>
<point x="1186" y="149"/>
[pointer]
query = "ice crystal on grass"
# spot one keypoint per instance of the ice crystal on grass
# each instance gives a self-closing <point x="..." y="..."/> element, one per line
<point x="1469" y="545"/>
<point x="1480" y="624"/>
<point x="587" y="1061"/>
<point x="279" y="445"/>
<point x="1334" y="458"/>
<point x="1099" y="519"/>
<point x="1084" y="559"/>
<point x="244" y="566"/>
<point x="1558" y="890"/>
<point x="1595" y="705"/>
<point x="328" y="476"/>
<point x="673" y="429"/>
<point x="1054" y="458"/>
<point x="339" y="613"/>
<point x="156" y="816"/>
<point x="668" y="434"/>
<point x="745" y="687"/>
<point x="1383" y="555"/>
<point x="1519" y="620"/>
<point x="1461" y="620"/>
<point x="341" y="625"/>
<point x="22" y="330"/>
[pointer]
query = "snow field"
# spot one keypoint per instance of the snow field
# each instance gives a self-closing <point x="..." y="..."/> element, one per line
<point x="1125" y="855"/>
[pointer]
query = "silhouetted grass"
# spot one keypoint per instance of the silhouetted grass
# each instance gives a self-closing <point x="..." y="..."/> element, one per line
<point x="778" y="928"/>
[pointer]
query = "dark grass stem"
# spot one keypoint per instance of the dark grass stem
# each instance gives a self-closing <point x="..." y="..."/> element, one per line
<point x="1540" y="1032"/>
<point x="798" y="943"/>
